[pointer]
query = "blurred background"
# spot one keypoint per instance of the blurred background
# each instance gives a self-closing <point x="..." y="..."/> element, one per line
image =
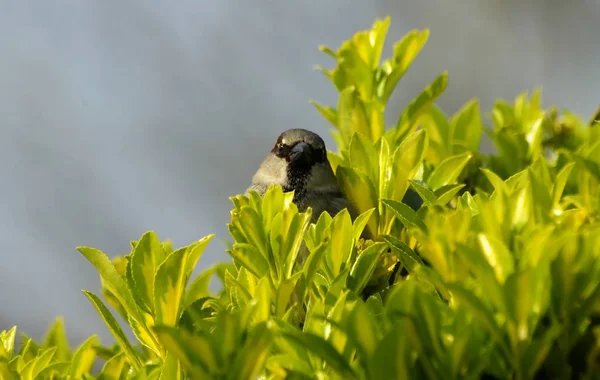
<point x="117" y="117"/>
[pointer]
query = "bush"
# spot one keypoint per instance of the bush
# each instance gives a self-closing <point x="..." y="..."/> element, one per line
<point x="494" y="274"/>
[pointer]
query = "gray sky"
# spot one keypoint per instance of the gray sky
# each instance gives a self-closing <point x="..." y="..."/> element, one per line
<point x="118" y="117"/>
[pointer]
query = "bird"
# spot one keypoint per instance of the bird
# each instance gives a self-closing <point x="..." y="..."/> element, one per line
<point x="298" y="162"/>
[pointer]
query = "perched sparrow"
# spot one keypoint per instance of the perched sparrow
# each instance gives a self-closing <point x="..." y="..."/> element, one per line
<point x="298" y="162"/>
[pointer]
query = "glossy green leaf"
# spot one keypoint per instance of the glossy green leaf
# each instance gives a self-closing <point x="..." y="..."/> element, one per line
<point x="364" y="266"/>
<point x="361" y="329"/>
<point x="84" y="358"/>
<point x="561" y="181"/>
<point x="359" y="189"/>
<point x="447" y="193"/>
<point x="250" y="223"/>
<point x="360" y="222"/>
<point x="196" y="352"/>
<point x="328" y="113"/>
<point x="284" y="292"/>
<point x="253" y="355"/>
<point x="497" y="255"/>
<point x="250" y="257"/>
<point x="171" y="369"/>
<point x="467" y="128"/>
<point x="363" y="156"/>
<point x="146" y="257"/>
<point x="7" y="342"/>
<point x="144" y="335"/>
<point x="341" y="242"/>
<point x="37" y="365"/>
<point x="426" y="195"/>
<point x="495" y="180"/>
<point x="405" y="214"/>
<point x="407" y="256"/>
<point x="483" y="315"/>
<point x="323" y="349"/>
<point x="113" y="367"/>
<point x="405" y="51"/>
<point x="351" y="115"/>
<point x="169" y="285"/>
<point x="114" y="328"/>
<point x="405" y="161"/>
<point x="448" y="171"/>
<point x="407" y="123"/>
<point x="194" y="252"/>
<point x="112" y="279"/>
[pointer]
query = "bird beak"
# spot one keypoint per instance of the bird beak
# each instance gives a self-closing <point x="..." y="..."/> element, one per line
<point x="301" y="152"/>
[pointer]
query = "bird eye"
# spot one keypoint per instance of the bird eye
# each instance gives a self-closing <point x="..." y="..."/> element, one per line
<point x="282" y="150"/>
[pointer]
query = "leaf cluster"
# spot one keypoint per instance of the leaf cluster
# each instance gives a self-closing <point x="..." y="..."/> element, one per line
<point x="473" y="266"/>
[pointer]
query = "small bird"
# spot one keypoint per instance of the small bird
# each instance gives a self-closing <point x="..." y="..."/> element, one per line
<point x="298" y="162"/>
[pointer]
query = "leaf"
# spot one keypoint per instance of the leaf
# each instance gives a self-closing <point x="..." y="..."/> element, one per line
<point x="313" y="261"/>
<point x="284" y="292"/>
<point x="195" y="352"/>
<point x="112" y="279"/>
<point x="146" y="257"/>
<point x="262" y="297"/>
<point x="84" y="358"/>
<point x="364" y="266"/>
<point x="495" y="180"/>
<point x="341" y="242"/>
<point x="37" y="365"/>
<point x="351" y="115"/>
<point x="407" y="256"/>
<point x="328" y="113"/>
<point x="322" y="349"/>
<point x="113" y="367"/>
<point x="169" y="285"/>
<point x="171" y="369"/>
<point x="448" y="171"/>
<point x="253" y="355"/>
<point x="363" y="155"/>
<point x="361" y="330"/>
<point x="466" y="127"/>
<point x="115" y="329"/>
<point x="392" y="358"/>
<point x="360" y="223"/>
<point x="252" y="226"/>
<point x="445" y="194"/>
<point x="405" y="51"/>
<point x="405" y="214"/>
<point x="483" y="315"/>
<point x="194" y="253"/>
<point x="407" y="122"/>
<point x="144" y="335"/>
<point x="7" y="342"/>
<point x="405" y="162"/>
<point x="559" y="184"/>
<point x="199" y="286"/>
<point x="250" y="257"/>
<point x="360" y="191"/>
<point x="497" y="255"/>
<point x="426" y="195"/>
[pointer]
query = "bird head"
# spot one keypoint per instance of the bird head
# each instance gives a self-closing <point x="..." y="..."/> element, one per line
<point x="298" y="162"/>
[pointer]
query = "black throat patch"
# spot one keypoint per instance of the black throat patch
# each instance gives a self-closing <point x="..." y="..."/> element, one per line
<point x="297" y="179"/>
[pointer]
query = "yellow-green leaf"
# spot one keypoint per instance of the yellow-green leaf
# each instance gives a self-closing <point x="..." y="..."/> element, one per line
<point x="169" y="285"/>
<point x="114" y="328"/>
<point x="147" y="256"/>
<point x="448" y="171"/>
<point x="84" y="358"/>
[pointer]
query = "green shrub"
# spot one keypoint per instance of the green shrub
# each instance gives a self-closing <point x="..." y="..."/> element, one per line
<point x="496" y="274"/>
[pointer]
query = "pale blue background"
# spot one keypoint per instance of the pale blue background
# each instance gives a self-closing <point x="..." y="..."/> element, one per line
<point x="121" y="116"/>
